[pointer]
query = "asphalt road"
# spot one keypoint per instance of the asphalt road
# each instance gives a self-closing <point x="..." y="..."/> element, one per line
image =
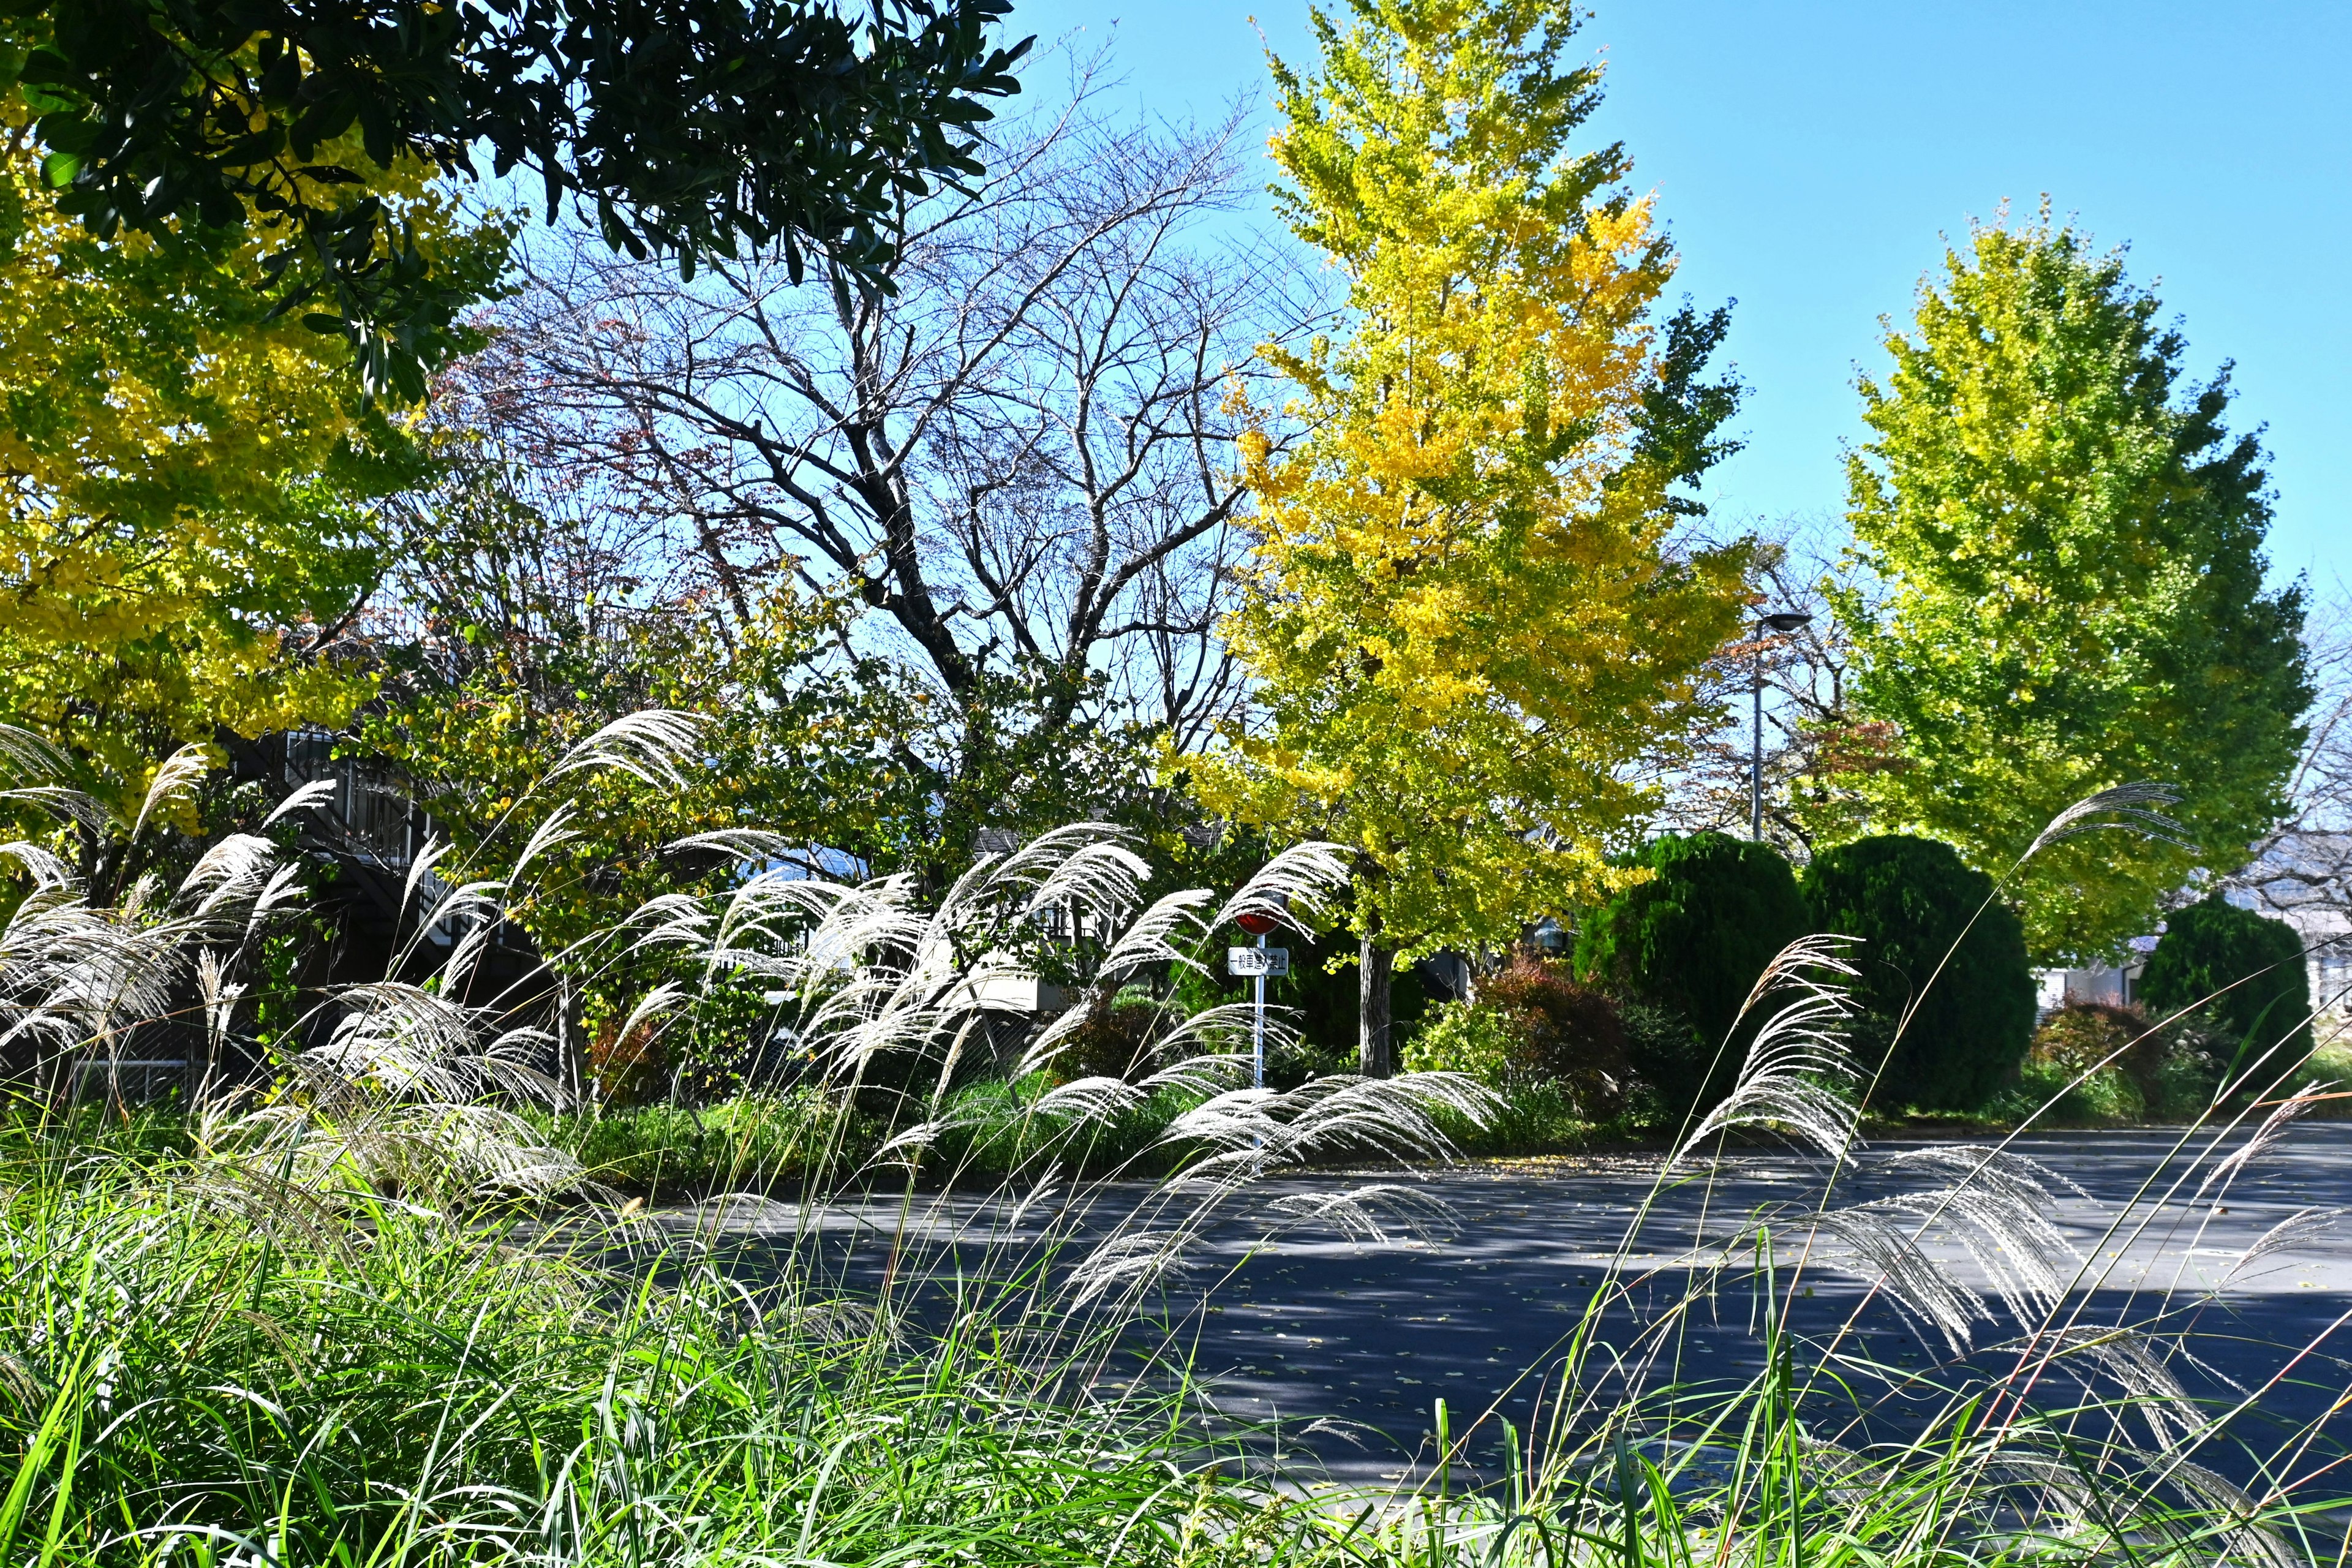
<point x="1346" y="1345"/>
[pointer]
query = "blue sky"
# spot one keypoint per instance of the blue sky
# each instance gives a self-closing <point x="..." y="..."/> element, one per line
<point x="1808" y="158"/>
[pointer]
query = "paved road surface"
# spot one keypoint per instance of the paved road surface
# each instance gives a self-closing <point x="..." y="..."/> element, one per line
<point x="1358" y="1340"/>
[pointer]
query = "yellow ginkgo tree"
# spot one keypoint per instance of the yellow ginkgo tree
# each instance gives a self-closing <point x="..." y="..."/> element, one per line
<point x="191" y="487"/>
<point x="1473" y="619"/>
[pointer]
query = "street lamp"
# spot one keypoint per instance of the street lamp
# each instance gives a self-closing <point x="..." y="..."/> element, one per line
<point x="1783" y="621"/>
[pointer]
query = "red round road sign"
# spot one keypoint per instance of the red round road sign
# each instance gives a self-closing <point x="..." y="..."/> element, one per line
<point x="1256" y="925"/>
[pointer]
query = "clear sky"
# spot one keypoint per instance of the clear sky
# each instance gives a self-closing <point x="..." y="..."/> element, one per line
<point x="1808" y="156"/>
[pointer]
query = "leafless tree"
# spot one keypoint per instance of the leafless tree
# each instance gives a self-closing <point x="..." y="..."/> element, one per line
<point x="2302" y="869"/>
<point x="1020" y="457"/>
<point x="1811" y="735"/>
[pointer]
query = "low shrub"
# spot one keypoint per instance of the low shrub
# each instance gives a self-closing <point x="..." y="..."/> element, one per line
<point x="1532" y="1027"/>
<point x="666" y="1150"/>
<point x="2107" y="1098"/>
<point x="1115" y="1039"/>
<point x="2110" y="1048"/>
<point x="1691" y="940"/>
<point x="1461" y="1037"/>
<point x="1910" y="901"/>
<point x="1562" y="1034"/>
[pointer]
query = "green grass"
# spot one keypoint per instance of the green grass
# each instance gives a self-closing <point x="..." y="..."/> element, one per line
<point x="202" y="1363"/>
<point x="203" y="1366"/>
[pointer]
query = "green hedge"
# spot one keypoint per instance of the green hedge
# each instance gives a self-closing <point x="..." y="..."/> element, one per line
<point x="1909" y="900"/>
<point x="1690" y="943"/>
<point x="2245" y="972"/>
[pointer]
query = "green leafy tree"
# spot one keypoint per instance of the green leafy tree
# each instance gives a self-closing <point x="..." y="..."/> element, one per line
<point x="1692" y="941"/>
<point x="1946" y="996"/>
<point x="1466" y="620"/>
<point x="2071" y="546"/>
<point x="686" y="126"/>
<point x="2245" y="971"/>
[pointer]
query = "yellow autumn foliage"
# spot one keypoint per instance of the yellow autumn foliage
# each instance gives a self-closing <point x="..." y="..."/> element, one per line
<point x="1471" y="627"/>
<point x="191" y="487"/>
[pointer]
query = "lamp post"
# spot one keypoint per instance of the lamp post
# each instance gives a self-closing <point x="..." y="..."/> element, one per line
<point x="1782" y="621"/>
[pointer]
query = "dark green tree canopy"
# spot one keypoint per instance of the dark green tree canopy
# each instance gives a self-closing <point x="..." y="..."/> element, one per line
<point x="1911" y="901"/>
<point x="2246" y="970"/>
<point x="2071" y="545"/>
<point x="1693" y="938"/>
<point x="687" y="126"/>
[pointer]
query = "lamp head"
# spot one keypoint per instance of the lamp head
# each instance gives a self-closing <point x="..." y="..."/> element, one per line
<point x="1784" y="620"/>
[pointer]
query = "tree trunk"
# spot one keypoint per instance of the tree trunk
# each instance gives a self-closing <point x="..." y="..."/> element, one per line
<point x="1375" y="966"/>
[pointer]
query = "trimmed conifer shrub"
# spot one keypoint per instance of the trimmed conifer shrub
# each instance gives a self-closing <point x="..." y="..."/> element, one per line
<point x="1691" y="942"/>
<point x="2243" y="971"/>
<point x="1910" y="899"/>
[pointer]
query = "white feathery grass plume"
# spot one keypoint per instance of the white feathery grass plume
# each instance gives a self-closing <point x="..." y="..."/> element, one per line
<point x="509" y="1064"/>
<point x="1101" y="875"/>
<point x="1152" y="936"/>
<point x="459" y="910"/>
<point x="96" y="967"/>
<point x="893" y="1150"/>
<point x="552" y="830"/>
<point x="1129" y="1261"/>
<point x="1048" y="1043"/>
<point x="2300" y="1231"/>
<point x="662" y="1000"/>
<point x="2125" y="806"/>
<point x="284" y="888"/>
<point x="315" y="794"/>
<point x="49" y="873"/>
<point x="2249" y="1542"/>
<point x="219" y="996"/>
<point x="1391" y="1118"/>
<point x="670" y="920"/>
<point x="1865" y="1241"/>
<point x="472" y="935"/>
<point x="1999" y="1205"/>
<point x="180" y="772"/>
<point x="1090" y="1101"/>
<point x="1201" y="1075"/>
<point x="232" y="872"/>
<point x="422" y="875"/>
<point x="652" y="746"/>
<point x="82" y="809"/>
<point x="746" y="846"/>
<point x="1798" y="1066"/>
<point x="1812" y="966"/>
<point x="1294" y="887"/>
<point x="2135" y="1365"/>
<point x="762" y="915"/>
<point x="145" y="899"/>
<point x="1224" y="1031"/>
<point x="1046" y="1186"/>
<point x="2274" y="1127"/>
<point x="1378" y="1212"/>
<point x="403" y="1038"/>
<point x="26" y="757"/>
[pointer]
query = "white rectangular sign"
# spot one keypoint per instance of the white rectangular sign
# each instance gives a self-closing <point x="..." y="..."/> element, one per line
<point x="1257" y="960"/>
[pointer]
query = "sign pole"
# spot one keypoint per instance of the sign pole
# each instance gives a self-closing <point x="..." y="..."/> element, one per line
<point x="1257" y="1032"/>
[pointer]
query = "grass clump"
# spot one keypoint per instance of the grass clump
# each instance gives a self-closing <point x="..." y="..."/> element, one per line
<point x="207" y="1367"/>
